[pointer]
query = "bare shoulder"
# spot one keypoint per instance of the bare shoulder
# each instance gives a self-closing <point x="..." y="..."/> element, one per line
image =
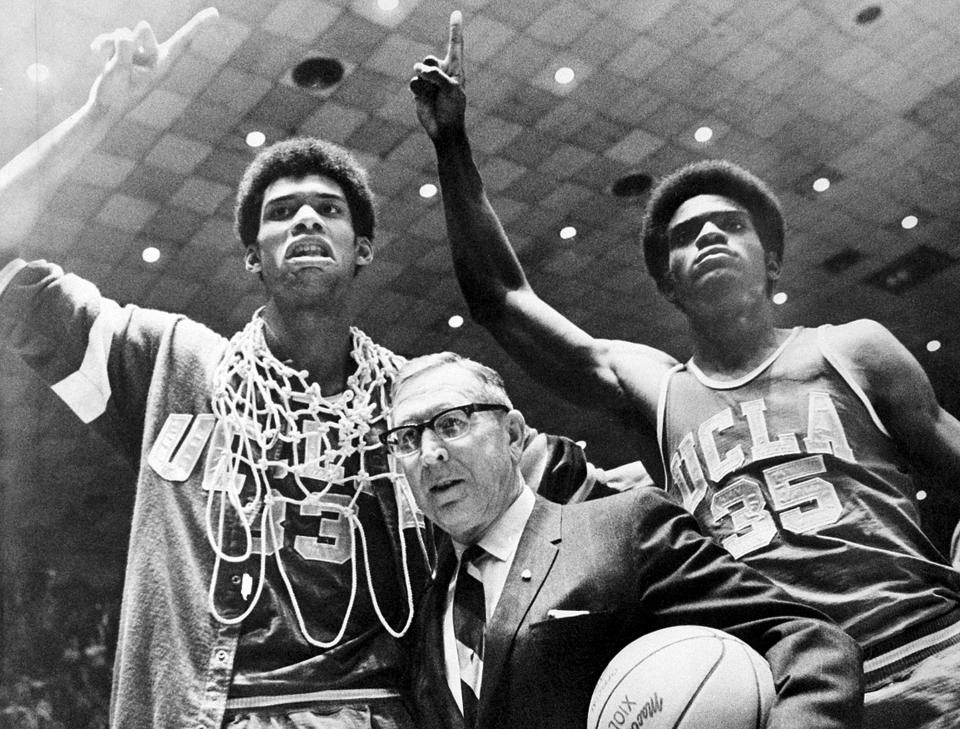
<point x="865" y="342"/>
<point x="860" y="333"/>
<point x="881" y="363"/>
<point x="640" y="369"/>
<point x="632" y="359"/>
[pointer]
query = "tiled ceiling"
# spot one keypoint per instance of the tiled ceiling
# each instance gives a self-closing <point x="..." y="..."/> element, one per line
<point x="793" y="89"/>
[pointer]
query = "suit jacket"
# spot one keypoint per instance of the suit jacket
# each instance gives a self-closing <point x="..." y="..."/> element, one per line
<point x="635" y="562"/>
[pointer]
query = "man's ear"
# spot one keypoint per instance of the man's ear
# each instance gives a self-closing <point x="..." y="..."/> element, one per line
<point x="774" y="266"/>
<point x="364" y="249"/>
<point x="251" y="259"/>
<point x="516" y="432"/>
<point x="668" y="287"/>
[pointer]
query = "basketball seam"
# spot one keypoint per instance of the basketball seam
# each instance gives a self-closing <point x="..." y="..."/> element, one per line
<point x="626" y="675"/>
<point x="744" y="647"/>
<point x="602" y="709"/>
<point x="693" y="696"/>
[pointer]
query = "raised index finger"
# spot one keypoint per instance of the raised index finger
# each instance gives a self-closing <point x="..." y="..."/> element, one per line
<point x="145" y="52"/>
<point x="176" y="44"/>
<point x="453" y="62"/>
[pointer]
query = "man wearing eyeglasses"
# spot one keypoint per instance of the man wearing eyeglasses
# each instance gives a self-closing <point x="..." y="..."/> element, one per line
<point x="566" y="587"/>
<point x="796" y="449"/>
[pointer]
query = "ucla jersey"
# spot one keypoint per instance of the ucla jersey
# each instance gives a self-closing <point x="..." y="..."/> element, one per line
<point x="231" y="594"/>
<point x="792" y="471"/>
<point x="315" y="563"/>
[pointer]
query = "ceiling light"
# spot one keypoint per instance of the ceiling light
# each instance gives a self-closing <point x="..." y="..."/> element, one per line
<point x="318" y="73"/>
<point x="841" y="261"/>
<point x="388" y="4"/>
<point x="703" y="135"/>
<point x="780" y="298"/>
<point x="38" y="73"/>
<point x="632" y="185"/>
<point x="817" y="180"/>
<point x="150" y="254"/>
<point x="564" y="75"/>
<point x="428" y="190"/>
<point x="868" y="14"/>
<point x="455" y="321"/>
<point x="256" y="139"/>
<point x="909" y="221"/>
<point x="568" y="232"/>
<point x="911" y="269"/>
<point x="933" y="345"/>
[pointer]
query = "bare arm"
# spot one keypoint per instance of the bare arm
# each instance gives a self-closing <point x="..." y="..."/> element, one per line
<point x="134" y="64"/>
<point x="903" y="397"/>
<point x="601" y="373"/>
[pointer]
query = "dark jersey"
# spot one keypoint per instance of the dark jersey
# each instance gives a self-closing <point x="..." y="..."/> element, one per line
<point x="198" y="622"/>
<point x="791" y="470"/>
<point x="321" y="577"/>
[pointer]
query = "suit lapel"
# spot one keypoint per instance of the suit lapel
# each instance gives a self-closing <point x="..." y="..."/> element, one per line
<point x="535" y="556"/>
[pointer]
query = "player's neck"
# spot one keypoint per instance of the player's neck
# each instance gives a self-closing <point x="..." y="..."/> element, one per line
<point x="731" y="342"/>
<point x="316" y="341"/>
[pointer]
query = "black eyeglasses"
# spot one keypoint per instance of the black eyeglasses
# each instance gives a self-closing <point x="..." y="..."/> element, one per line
<point x="449" y="424"/>
<point x="729" y="221"/>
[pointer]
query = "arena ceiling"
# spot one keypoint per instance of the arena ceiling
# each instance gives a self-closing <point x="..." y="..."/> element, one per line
<point x="864" y="95"/>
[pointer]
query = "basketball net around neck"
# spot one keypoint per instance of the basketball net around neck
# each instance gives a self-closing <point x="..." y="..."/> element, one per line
<point x="268" y="411"/>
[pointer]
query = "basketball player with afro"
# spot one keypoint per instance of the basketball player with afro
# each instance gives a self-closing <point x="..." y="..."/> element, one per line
<point x="276" y="553"/>
<point x="794" y="448"/>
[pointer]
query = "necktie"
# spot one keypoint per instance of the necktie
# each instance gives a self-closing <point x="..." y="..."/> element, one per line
<point x="469" y="621"/>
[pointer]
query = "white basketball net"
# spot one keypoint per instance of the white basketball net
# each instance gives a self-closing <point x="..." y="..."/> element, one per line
<point x="265" y="404"/>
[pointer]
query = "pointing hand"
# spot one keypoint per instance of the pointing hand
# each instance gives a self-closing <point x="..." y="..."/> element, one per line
<point x="438" y="85"/>
<point x="134" y="62"/>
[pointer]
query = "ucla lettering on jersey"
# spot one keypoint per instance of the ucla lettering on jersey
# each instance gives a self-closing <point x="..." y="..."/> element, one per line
<point x="791" y="470"/>
<point x="287" y="568"/>
<point x="264" y="522"/>
<point x="796" y="491"/>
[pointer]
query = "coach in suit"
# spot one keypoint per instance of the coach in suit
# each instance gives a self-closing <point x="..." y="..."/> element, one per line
<point x="565" y="587"/>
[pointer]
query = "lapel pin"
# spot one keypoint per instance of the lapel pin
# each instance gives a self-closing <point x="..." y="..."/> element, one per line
<point x="526" y="575"/>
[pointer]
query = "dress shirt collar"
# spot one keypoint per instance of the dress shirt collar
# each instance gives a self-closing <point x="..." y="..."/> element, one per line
<point x="503" y="536"/>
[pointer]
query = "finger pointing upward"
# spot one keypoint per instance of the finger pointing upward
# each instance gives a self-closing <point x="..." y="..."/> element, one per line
<point x="146" y="44"/>
<point x="176" y="44"/>
<point x="453" y="63"/>
<point x="147" y="48"/>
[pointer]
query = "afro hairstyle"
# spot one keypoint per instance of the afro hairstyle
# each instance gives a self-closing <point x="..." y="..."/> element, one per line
<point x="299" y="157"/>
<point x="708" y="177"/>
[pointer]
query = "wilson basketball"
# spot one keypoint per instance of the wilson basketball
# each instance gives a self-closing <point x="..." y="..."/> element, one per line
<point x="684" y="677"/>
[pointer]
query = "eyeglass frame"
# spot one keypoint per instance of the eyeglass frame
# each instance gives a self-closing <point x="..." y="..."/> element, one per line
<point x="469" y="409"/>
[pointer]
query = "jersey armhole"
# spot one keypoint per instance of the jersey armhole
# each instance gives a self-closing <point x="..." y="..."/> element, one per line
<point x="662" y="419"/>
<point x="833" y="358"/>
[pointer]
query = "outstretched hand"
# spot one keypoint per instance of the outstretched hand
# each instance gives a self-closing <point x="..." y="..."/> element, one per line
<point x="134" y="62"/>
<point x="438" y="85"/>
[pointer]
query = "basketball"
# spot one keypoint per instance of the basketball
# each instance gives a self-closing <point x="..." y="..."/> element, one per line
<point x="684" y="677"/>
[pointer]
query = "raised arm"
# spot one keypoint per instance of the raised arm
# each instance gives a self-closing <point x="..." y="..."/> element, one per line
<point x="904" y="399"/>
<point x="550" y="347"/>
<point x="134" y="63"/>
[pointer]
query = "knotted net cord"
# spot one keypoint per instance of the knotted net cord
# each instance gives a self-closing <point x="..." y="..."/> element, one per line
<point x="264" y="405"/>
